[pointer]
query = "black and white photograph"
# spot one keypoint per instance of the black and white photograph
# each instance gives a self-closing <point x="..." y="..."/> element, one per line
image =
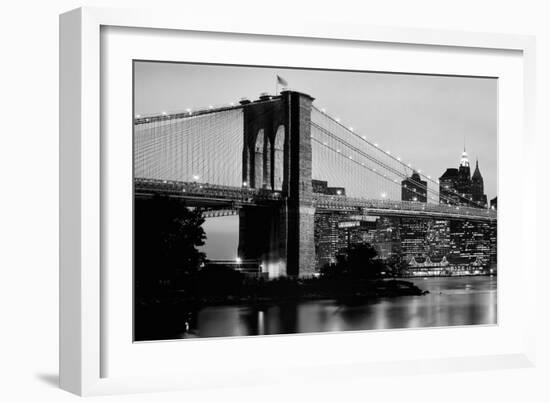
<point x="274" y="201"/>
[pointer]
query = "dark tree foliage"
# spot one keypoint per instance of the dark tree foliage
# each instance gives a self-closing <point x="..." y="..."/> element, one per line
<point x="359" y="261"/>
<point x="167" y="236"/>
<point x="396" y="266"/>
<point x="218" y="281"/>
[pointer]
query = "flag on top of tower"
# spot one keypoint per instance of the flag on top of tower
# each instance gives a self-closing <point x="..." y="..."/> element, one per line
<point x="282" y="81"/>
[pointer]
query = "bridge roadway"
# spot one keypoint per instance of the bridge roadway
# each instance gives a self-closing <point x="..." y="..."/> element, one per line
<point x="230" y="198"/>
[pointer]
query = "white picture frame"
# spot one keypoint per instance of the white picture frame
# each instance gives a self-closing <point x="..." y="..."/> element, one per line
<point x="83" y="306"/>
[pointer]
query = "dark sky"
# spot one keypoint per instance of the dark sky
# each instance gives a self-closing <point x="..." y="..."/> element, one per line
<point x="424" y="119"/>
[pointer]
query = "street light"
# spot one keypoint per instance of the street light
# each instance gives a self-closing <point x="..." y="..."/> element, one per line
<point x="195" y="177"/>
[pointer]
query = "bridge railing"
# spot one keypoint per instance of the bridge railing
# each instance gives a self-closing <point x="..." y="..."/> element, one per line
<point x="250" y="195"/>
<point x="346" y="202"/>
<point x="204" y="190"/>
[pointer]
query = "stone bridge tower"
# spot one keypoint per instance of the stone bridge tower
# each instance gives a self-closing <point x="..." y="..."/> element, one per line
<point x="277" y="156"/>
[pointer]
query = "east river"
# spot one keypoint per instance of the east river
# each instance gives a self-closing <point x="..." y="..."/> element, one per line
<point x="452" y="301"/>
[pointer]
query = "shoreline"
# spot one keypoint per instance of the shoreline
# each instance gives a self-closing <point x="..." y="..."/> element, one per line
<point x="449" y="276"/>
<point x="372" y="289"/>
<point x="302" y="291"/>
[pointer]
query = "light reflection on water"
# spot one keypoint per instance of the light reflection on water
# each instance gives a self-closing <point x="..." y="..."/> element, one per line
<point x="451" y="302"/>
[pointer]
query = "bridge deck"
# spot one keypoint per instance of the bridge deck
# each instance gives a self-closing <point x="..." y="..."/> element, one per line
<point x="205" y="193"/>
<point x="223" y="196"/>
<point x="401" y="208"/>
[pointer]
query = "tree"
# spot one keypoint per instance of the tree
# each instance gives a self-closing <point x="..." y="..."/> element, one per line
<point x="359" y="261"/>
<point x="167" y="236"/>
<point x="396" y="266"/>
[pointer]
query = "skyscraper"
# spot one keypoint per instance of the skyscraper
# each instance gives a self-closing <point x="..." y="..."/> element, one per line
<point x="464" y="181"/>
<point x="477" y="187"/>
<point x="447" y="187"/>
<point x="414" y="189"/>
<point x="456" y="186"/>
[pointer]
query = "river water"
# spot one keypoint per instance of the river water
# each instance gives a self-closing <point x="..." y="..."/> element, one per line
<point x="452" y="301"/>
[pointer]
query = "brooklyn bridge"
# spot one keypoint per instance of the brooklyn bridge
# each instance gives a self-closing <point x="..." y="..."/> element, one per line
<point x="294" y="174"/>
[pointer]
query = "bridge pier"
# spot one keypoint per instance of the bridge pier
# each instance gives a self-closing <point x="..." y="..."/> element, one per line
<point x="301" y="246"/>
<point x="293" y="252"/>
<point x="262" y="238"/>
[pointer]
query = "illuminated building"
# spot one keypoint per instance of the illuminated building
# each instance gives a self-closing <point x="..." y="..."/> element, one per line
<point x="414" y="189"/>
<point x="457" y="187"/>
